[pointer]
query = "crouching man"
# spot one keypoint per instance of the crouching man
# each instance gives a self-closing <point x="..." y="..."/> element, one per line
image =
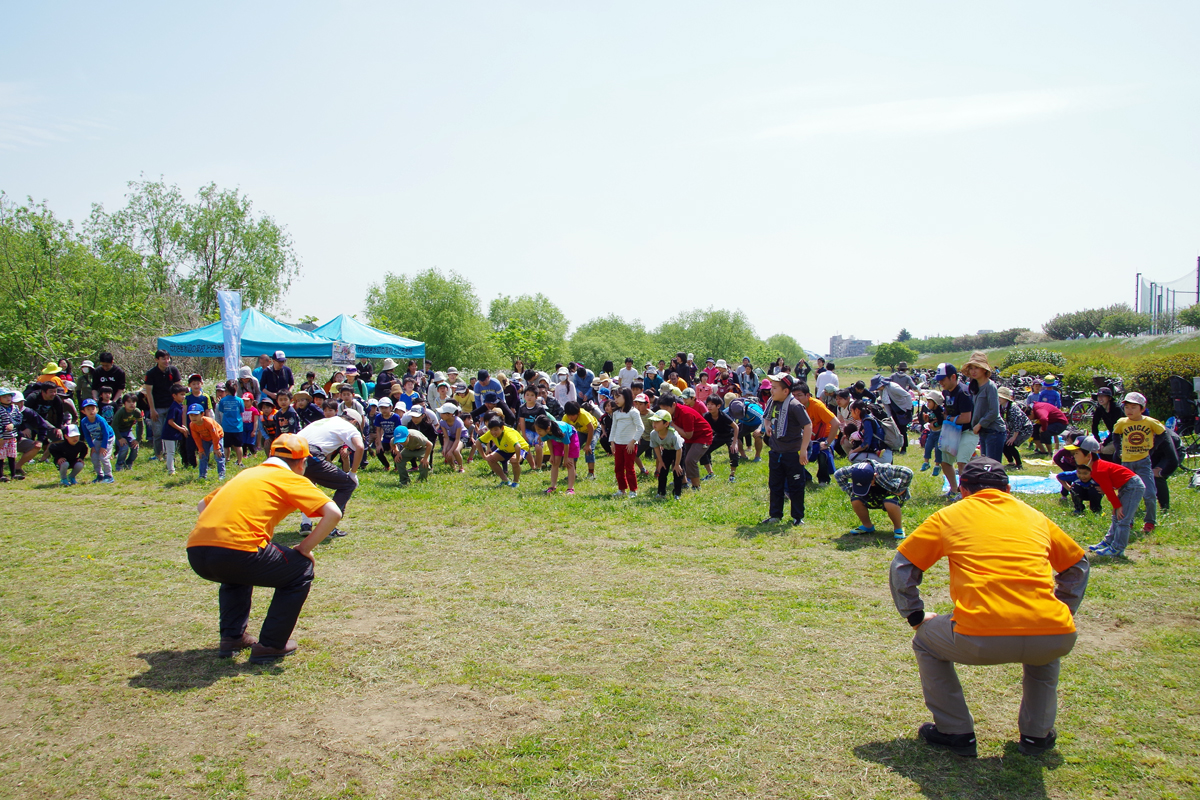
<point x="231" y="545"/>
<point x="1016" y="581"/>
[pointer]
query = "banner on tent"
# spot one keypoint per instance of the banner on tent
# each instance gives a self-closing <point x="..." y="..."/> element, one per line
<point x="344" y="353"/>
<point x="231" y="328"/>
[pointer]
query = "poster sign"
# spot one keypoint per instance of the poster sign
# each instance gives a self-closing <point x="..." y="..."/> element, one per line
<point x="344" y="353"/>
<point x="230" y="304"/>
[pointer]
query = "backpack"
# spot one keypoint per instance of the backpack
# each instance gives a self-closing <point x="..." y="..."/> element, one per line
<point x="892" y="438"/>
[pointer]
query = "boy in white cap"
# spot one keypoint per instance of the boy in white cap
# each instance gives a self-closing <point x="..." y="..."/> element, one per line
<point x="1137" y="433"/>
<point x="68" y="455"/>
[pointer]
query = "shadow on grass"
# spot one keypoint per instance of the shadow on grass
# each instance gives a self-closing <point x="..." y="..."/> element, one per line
<point x="882" y="539"/>
<point x="181" y="670"/>
<point x="754" y="531"/>
<point x="942" y="775"/>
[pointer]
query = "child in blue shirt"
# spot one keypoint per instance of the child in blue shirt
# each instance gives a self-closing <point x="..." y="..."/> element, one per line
<point x="230" y="408"/>
<point x="1078" y="482"/>
<point x="99" y="436"/>
<point x="173" y="428"/>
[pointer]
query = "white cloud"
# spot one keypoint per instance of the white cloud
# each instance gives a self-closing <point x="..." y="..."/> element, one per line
<point x="945" y="114"/>
<point x="22" y="126"/>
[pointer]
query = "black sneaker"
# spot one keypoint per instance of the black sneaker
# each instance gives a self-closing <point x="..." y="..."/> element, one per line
<point x="961" y="744"/>
<point x="335" y="533"/>
<point x="306" y="527"/>
<point x="796" y="522"/>
<point x="1036" y="746"/>
<point x="771" y="521"/>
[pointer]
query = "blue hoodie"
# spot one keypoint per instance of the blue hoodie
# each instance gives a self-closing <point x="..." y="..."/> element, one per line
<point x="97" y="434"/>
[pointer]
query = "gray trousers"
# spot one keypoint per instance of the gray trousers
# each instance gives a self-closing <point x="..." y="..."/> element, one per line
<point x="102" y="464"/>
<point x="938" y="648"/>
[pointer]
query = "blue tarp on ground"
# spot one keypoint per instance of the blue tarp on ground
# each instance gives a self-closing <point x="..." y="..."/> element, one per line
<point x="260" y="334"/>
<point x="370" y="342"/>
<point x="1026" y="484"/>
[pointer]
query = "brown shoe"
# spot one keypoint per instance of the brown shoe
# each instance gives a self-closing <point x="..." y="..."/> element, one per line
<point x="261" y="654"/>
<point x="228" y="647"/>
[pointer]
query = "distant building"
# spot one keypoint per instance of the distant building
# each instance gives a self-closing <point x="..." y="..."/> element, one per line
<point x="847" y="348"/>
<point x="983" y="331"/>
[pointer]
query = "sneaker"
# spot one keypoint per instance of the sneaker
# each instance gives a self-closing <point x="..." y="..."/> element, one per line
<point x="153" y="458"/>
<point x="796" y="522"/>
<point x="1106" y="551"/>
<point x="591" y="476"/>
<point x="512" y="484"/>
<point x="861" y="530"/>
<point x="3" y="479"/>
<point x="1148" y="527"/>
<point x="733" y="478"/>
<point x="306" y="527"/>
<point x="771" y="521"/>
<point x="570" y="492"/>
<point x="1098" y="546"/>
<point x="618" y="494"/>
<point x="961" y="744"/>
<point x="953" y="497"/>
<point x="676" y="497"/>
<point x="937" y="470"/>
<point x="899" y="534"/>
<point x="551" y="490"/>
<point x="18" y="475"/>
<point x="1037" y="745"/>
<point x="708" y="477"/>
<point x="632" y="495"/>
<point x="757" y="461"/>
<point x="925" y="467"/>
<point x="97" y="479"/>
<point x="336" y="533"/>
<point x="64" y="482"/>
<point x="73" y="480"/>
<point x="109" y="479"/>
<point x="1017" y="466"/>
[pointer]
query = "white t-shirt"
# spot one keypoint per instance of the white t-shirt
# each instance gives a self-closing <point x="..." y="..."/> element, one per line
<point x="827" y="378"/>
<point x="627" y="376"/>
<point x="325" y="436"/>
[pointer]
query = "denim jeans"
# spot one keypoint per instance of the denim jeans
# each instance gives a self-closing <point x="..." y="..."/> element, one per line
<point x="931" y="446"/>
<point x="204" y="457"/>
<point x="1144" y="470"/>
<point x="238" y="572"/>
<point x="991" y="443"/>
<point x="126" y="450"/>
<point x="1128" y="496"/>
<point x="156" y="430"/>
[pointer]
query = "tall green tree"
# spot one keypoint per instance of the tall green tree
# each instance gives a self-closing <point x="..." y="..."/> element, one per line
<point x="194" y="249"/>
<point x="903" y="335"/>
<point x="890" y="354"/>
<point x="533" y="313"/>
<point x="709" y="332"/>
<point x="440" y="310"/>
<point x="784" y="346"/>
<point x="611" y="338"/>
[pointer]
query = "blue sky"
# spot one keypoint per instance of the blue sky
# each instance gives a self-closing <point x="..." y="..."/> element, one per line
<point x="825" y="167"/>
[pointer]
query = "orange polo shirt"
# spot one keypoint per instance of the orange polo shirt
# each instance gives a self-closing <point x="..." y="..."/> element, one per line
<point x="1003" y="556"/>
<point x="822" y="418"/>
<point x="206" y="429"/>
<point x="242" y="514"/>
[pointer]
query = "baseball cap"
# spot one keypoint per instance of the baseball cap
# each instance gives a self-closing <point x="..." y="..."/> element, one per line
<point x="1135" y="397"/>
<point x="482" y="375"/>
<point x="452" y="370"/>
<point x="289" y="445"/>
<point x="448" y="408"/>
<point x="563" y="371"/>
<point x="89" y="402"/>
<point x="318" y="392"/>
<point x="352" y="415"/>
<point x="385" y="402"/>
<point x="862" y="475"/>
<point x="267" y="401"/>
<point x="689" y="392"/>
<point x="491" y="397"/>
<point x="641" y="398"/>
<point x="460" y="388"/>
<point x="944" y="370"/>
<point x="352" y="370"/>
<point x="400" y="435"/>
<point x="984" y="473"/>
<point x="709" y="360"/>
<point x="195" y="376"/>
<point x="194" y="408"/>
<point x="280" y="355"/>
<point x="737" y="409"/>
<point x="745" y="358"/>
<point x="1104" y="390"/>
<point x="1087" y="444"/>
<point x="661" y="415"/>
<point x="72" y="430"/>
<point x="783" y="379"/>
<point x="373" y="402"/>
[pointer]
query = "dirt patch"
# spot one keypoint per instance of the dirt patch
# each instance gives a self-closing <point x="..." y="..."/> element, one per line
<point x="1121" y="634"/>
<point x="437" y="718"/>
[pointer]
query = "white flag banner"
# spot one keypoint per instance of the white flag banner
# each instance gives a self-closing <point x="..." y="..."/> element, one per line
<point x="231" y="327"/>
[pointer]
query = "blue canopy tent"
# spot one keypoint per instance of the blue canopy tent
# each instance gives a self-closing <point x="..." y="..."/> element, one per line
<point x="370" y="342"/>
<point x="260" y="334"/>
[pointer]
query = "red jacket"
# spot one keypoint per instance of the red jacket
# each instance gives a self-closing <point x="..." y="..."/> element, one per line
<point x="1110" y="477"/>
<point x="1043" y="414"/>
<point x="692" y="426"/>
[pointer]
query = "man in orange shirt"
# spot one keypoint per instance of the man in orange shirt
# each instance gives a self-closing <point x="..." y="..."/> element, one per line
<point x="826" y="427"/>
<point x="231" y="545"/>
<point x="1016" y="581"/>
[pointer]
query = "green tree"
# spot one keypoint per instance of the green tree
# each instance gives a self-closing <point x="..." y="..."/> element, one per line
<point x="194" y="249"/>
<point x="1190" y="316"/>
<point x="534" y="313"/>
<point x="785" y="346"/>
<point x="903" y="335"/>
<point x="440" y="310"/>
<point x="715" y="333"/>
<point x="1125" y="323"/>
<point x="517" y="341"/>
<point x="64" y="298"/>
<point x="892" y="353"/>
<point x="611" y="338"/>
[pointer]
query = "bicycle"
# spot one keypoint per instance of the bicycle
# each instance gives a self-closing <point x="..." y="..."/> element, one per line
<point x="1186" y="423"/>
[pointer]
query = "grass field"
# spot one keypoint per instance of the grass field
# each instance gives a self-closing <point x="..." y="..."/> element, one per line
<point x="1114" y="352"/>
<point x="468" y="642"/>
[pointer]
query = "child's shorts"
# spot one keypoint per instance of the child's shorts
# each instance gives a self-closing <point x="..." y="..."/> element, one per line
<point x="8" y="447"/>
<point x="532" y="438"/>
<point x="247" y="438"/>
<point x="571" y="449"/>
<point x="233" y="439"/>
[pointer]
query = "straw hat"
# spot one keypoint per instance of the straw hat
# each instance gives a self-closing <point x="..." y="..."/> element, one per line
<point x="978" y="359"/>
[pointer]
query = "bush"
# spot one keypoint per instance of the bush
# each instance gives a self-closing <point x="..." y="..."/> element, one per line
<point x="1150" y="377"/>
<point x="1031" y="337"/>
<point x="1032" y="369"/>
<point x="1077" y="378"/>
<point x="1019" y="354"/>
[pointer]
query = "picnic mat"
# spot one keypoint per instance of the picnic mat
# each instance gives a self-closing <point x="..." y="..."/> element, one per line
<point x="1026" y="484"/>
<point x="1039" y="462"/>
